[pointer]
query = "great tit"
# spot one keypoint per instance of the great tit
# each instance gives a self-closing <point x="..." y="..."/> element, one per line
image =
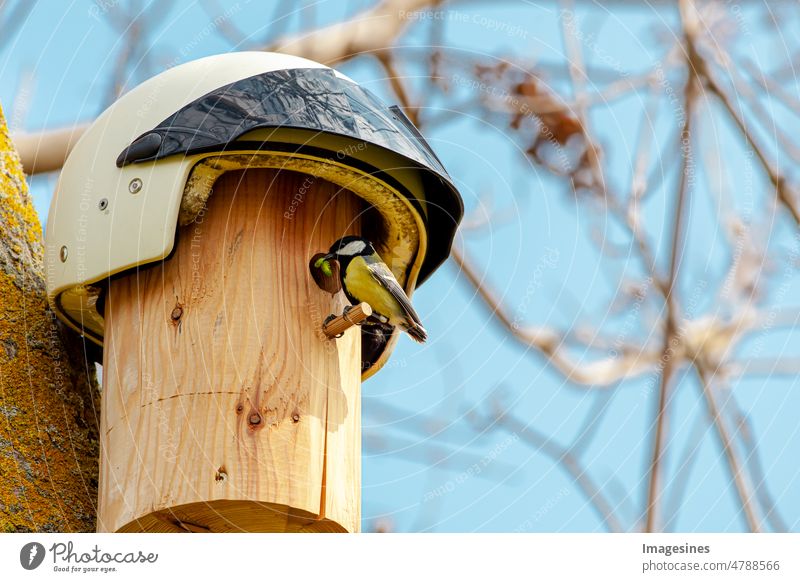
<point x="365" y="277"/>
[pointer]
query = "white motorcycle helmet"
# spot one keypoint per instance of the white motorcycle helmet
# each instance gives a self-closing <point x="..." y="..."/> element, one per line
<point x="148" y="163"/>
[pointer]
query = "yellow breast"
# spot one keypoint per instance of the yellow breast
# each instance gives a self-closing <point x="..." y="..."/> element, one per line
<point x="364" y="287"/>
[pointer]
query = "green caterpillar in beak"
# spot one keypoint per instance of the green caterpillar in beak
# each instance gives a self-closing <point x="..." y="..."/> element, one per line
<point x="325" y="265"/>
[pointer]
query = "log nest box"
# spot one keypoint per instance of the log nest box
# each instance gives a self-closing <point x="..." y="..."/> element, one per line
<point x="178" y="241"/>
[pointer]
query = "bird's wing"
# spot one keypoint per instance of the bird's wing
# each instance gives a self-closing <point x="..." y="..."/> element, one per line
<point x="384" y="276"/>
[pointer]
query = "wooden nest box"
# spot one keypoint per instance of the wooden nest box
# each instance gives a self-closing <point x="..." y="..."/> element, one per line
<point x="178" y="241"/>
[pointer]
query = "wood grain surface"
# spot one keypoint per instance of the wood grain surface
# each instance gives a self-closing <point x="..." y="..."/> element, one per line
<point x="225" y="407"/>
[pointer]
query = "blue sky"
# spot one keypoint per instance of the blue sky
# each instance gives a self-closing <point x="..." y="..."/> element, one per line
<point x="422" y="442"/>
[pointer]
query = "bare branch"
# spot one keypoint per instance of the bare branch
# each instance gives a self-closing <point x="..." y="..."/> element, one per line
<point x="232" y="33"/>
<point x="742" y="489"/>
<point x="433" y="456"/>
<point x="577" y="74"/>
<point x="569" y="462"/>
<point x="745" y="91"/>
<point x="669" y="358"/>
<point x="600" y="373"/>
<point x="47" y="151"/>
<point x="772" y="87"/>
<point x="765" y="367"/>
<point x="681" y="479"/>
<point x="372" y="30"/>
<point x="783" y="191"/>
<point x="753" y="458"/>
<point x="387" y="61"/>
<point x="15" y="18"/>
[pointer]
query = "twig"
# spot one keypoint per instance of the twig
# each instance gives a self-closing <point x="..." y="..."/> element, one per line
<point x="671" y="332"/>
<point x="600" y="373"/>
<point x="278" y="21"/>
<point x="570" y="464"/>
<point x="785" y="194"/>
<point x="577" y="74"/>
<point x="435" y="40"/>
<point x="131" y="35"/>
<point x="17" y="15"/>
<point x="639" y="185"/>
<point x="773" y="88"/>
<point x="745" y="498"/>
<point x="743" y="88"/>
<point x="224" y="24"/>
<point x="371" y="30"/>
<point x="681" y="479"/>
<point x="592" y="422"/>
<point x="547" y="104"/>
<point x="434" y="455"/>
<point x="754" y="465"/>
<point x="47" y="151"/>
<point x="386" y="61"/>
<point x="643" y="146"/>
<point x="764" y="367"/>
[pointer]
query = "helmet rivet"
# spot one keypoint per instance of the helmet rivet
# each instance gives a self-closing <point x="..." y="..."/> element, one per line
<point x="135" y="186"/>
<point x="103" y="204"/>
<point x="63" y="254"/>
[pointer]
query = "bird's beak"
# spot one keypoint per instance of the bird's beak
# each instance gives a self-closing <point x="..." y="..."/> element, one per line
<point x="329" y="256"/>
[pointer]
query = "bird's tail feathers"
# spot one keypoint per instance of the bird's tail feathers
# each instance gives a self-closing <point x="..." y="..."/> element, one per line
<point x="417" y="332"/>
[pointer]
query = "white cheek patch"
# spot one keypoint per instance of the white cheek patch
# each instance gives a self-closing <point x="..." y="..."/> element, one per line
<point x="352" y="248"/>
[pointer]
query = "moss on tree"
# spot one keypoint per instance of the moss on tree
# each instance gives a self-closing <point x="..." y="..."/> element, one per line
<point x="48" y="393"/>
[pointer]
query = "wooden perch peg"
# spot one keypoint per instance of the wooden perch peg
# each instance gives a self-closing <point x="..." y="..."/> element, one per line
<point x="335" y="326"/>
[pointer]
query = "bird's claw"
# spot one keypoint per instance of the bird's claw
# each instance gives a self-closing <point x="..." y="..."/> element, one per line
<point x="329" y="319"/>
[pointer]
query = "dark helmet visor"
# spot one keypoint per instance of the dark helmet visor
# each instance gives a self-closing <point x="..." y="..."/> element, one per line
<point x="316" y="100"/>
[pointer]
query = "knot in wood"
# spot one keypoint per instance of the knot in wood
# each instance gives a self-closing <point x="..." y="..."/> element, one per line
<point x="220" y="475"/>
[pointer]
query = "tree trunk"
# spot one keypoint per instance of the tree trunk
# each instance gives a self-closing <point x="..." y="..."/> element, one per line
<point x="48" y="391"/>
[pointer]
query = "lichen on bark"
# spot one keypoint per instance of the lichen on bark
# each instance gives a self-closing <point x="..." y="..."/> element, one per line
<point x="49" y="401"/>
